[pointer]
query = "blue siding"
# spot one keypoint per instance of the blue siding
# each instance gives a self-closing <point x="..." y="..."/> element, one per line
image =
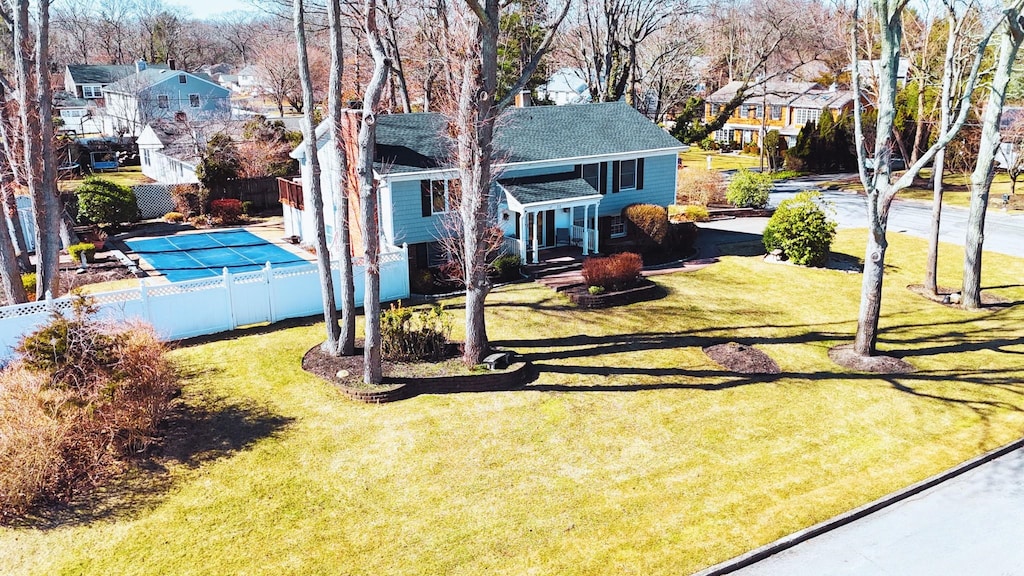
<point x="659" y="187"/>
<point x="410" y="225"/>
<point x="213" y="100"/>
<point x="659" y="181"/>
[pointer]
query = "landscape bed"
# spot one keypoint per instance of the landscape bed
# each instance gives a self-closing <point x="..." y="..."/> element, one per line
<point x="631" y="451"/>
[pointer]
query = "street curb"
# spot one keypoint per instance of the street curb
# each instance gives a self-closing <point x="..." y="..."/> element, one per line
<point x="786" y="542"/>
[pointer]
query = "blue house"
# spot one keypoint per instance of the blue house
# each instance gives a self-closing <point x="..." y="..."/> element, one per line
<point x="563" y="176"/>
<point x="152" y="94"/>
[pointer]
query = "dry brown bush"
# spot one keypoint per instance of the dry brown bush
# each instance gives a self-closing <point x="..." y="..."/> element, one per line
<point x="60" y="436"/>
<point x="616" y="272"/>
<point x="700" y="187"/>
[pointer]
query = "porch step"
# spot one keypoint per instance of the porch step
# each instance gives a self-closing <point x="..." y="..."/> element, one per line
<point x="562" y="280"/>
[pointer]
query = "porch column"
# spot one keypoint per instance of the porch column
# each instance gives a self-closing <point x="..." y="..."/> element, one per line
<point x="521" y="233"/>
<point x="536" y="233"/>
<point x="596" y="235"/>
<point x="586" y="240"/>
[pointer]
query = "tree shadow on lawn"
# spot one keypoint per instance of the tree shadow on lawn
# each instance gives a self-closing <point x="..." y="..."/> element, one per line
<point x="196" y="432"/>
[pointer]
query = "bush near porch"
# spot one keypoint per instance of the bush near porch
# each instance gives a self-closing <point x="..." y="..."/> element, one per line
<point x="649" y="232"/>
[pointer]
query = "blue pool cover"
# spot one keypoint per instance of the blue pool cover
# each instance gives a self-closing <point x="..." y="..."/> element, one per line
<point x="192" y="256"/>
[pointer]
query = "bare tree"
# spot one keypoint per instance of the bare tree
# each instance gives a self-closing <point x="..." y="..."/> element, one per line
<point x="368" y="196"/>
<point x="344" y="336"/>
<point x="881" y="187"/>
<point x="75" y="23"/>
<point x="323" y="255"/>
<point x="473" y="125"/>
<point x="952" y="75"/>
<point x="981" y="180"/>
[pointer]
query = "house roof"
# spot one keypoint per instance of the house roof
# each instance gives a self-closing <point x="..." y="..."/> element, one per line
<point x="774" y="93"/>
<point x="185" y="141"/>
<point x="98" y="73"/>
<point x="1012" y="119"/>
<point x="150" y="77"/>
<point x="63" y="99"/>
<point x="547" y="188"/>
<point x="416" y="142"/>
<point x="820" y="99"/>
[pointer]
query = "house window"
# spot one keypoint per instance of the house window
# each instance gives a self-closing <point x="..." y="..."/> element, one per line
<point x="145" y="157"/>
<point x="182" y="79"/>
<point x="161" y="101"/>
<point x="776" y="112"/>
<point x="759" y="111"/>
<point x="806" y="115"/>
<point x="91" y="92"/>
<point x="193" y="100"/>
<point x="443" y="195"/>
<point x="592" y="174"/>
<point x="627" y="175"/>
<point x="617" y="227"/>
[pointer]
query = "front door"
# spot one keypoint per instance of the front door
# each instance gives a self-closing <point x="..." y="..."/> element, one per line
<point x="544" y="224"/>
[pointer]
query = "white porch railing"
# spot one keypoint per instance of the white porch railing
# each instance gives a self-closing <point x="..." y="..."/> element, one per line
<point x="577" y="237"/>
<point x="510" y="245"/>
<point x="211" y="305"/>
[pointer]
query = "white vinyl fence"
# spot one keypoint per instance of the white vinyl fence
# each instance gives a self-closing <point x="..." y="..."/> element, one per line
<point x="211" y="305"/>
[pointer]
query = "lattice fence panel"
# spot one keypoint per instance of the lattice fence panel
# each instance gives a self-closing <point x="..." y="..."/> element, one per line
<point x="154" y="200"/>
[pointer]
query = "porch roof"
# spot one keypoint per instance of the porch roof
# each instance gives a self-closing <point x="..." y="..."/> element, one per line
<point x="549" y="188"/>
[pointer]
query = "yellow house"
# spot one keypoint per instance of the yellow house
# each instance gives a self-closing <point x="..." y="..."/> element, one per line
<point x="788" y="106"/>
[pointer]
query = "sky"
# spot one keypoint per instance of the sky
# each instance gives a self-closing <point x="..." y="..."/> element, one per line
<point x="204" y="9"/>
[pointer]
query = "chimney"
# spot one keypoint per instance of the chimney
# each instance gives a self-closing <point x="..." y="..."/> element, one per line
<point x="140" y="65"/>
<point x="524" y="99"/>
<point x="172" y="64"/>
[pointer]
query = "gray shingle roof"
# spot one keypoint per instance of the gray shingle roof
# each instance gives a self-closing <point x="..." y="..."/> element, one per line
<point x="414" y="142"/>
<point x="547" y="188"/>
<point x="98" y="73"/>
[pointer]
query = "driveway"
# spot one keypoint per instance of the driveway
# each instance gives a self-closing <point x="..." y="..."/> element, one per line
<point x="970" y="524"/>
<point x="1004" y="232"/>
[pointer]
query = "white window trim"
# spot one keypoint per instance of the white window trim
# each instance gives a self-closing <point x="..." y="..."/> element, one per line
<point x="93" y="91"/>
<point x="199" y="102"/>
<point x="163" y="101"/>
<point x="621" y="172"/>
<point x="447" y="198"/>
<point x="617" y="222"/>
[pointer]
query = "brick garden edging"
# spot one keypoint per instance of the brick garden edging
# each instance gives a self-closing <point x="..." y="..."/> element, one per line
<point x="584" y="299"/>
<point x="514" y="376"/>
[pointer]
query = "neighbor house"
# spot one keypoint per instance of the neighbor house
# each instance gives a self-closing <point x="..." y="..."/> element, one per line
<point x="151" y="94"/>
<point x="782" y="106"/>
<point x="170" y="150"/>
<point x="566" y="86"/>
<point x="563" y="176"/>
<point x="88" y="80"/>
<point x="1011" y="130"/>
<point x="77" y="115"/>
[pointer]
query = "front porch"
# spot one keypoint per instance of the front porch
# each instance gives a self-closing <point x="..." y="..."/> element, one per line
<point x="549" y="212"/>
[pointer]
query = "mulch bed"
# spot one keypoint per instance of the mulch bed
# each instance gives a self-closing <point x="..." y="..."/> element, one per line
<point x="406" y="379"/>
<point x="646" y="290"/>
<point x="944" y="296"/>
<point x="742" y="359"/>
<point x="847" y="358"/>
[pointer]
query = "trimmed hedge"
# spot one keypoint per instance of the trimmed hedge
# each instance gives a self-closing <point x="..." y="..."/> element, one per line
<point x="801" y="229"/>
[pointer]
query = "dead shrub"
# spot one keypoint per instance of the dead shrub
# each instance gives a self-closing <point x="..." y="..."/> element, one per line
<point x="700" y="187"/>
<point x="647" y="224"/>
<point x="83" y="397"/>
<point x="616" y="272"/>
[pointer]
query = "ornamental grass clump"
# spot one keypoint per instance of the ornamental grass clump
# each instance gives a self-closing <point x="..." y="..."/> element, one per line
<point x="613" y="273"/>
<point x="409" y="335"/>
<point x="801" y="228"/>
<point x="81" y="399"/>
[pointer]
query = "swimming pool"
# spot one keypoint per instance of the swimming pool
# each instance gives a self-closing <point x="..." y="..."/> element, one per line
<point x="192" y="256"/>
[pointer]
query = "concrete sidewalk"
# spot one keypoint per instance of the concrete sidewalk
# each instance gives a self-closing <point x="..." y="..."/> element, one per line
<point x="968" y="524"/>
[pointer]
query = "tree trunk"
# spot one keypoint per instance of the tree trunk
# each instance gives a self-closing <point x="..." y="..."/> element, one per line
<point x="871" y="292"/>
<point x="346" y="332"/>
<point x="984" y="170"/>
<point x="10" y="200"/>
<point x="939" y="165"/>
<point x="323" y="255"/>
<point x="368" y="196"/>
<point x="10" y="274"/>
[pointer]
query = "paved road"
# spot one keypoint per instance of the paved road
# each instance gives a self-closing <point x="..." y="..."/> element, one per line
<point x="968" y="525"/>
<point x="1004" y="232"/>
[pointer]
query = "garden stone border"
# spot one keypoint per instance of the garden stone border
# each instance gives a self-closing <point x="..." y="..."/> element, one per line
<point x="581" y="297"/>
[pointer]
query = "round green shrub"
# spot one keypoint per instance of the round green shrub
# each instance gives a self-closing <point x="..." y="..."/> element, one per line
<point x="507" y="266"/>
<point x="104" y="202"/>
<point x="801" y="229"/>
<point x="749" y="189"/>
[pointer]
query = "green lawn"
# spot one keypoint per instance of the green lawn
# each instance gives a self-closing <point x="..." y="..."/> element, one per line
<point x="631" y="453"/>
<point x="126" y="175"/>
<point x="696" y="158"/>
<point x="956" y="189"/>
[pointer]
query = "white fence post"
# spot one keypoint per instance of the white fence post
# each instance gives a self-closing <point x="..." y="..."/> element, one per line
<point x="228" y="285"/>
<point x="49" y="302"/>
<point x="268" y="274"/>
<point x="144" y="296"/>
